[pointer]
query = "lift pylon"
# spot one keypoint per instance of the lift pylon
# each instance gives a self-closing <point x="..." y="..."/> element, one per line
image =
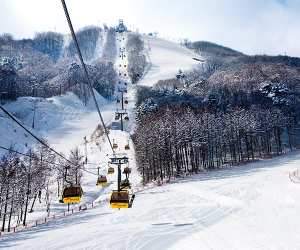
<point x="120" y="198"/>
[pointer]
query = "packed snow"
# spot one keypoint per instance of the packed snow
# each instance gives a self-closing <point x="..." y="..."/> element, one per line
<point x="165" y="60"/>
<point x="250" y="207"/>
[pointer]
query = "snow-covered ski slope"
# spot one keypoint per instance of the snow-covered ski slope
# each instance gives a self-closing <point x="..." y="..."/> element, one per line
<point x="165" y="58"/>
<point x="64" y="121"/>
<point x="254" y="206"/>
<point x="250" y="207"/>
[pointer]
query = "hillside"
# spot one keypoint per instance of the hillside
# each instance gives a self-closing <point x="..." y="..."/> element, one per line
<point x="190" y="136"/>
<point x="213" y="49"/>
<point x="47" y="65"/>
<point x="228" y="69"/>
<point x="129" y="135"/>
<point x="64" y="121"/>
<point x="231" y="109"/>
<point x="165" y="58"/>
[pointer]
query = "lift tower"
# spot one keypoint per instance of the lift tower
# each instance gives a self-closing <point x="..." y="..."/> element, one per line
<point x="122" y="113"/>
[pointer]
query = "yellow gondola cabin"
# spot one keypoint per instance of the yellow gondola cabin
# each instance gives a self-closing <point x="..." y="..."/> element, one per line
<point x="72" y="194"/>
<point x="110" y="170"/>
<point x="119" y="199"/>
<point x="102" y="181"/>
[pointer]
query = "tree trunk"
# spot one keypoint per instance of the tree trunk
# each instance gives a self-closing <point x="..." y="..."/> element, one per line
<point x="11" y="209"/>
<point x="5" y="210"/>
<point x="32" y="205"/>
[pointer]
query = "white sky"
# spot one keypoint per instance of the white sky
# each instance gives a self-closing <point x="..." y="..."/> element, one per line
<point x="251" y="26"/>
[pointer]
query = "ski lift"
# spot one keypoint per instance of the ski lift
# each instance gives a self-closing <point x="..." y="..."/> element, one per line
<point x="119" y="199"/>
<point x="102" y="181"/>
<point x="125" y="184"/>
<point x="126" y="118"/>
<point x="72" y="194"/>
<point x="127" y="147"/>
<point x="110" y="170"/>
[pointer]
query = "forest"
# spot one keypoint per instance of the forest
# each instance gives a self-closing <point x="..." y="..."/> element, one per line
<point x="136" y="59"/>
<point x="231" y="110"/>
<point x="44" y="66"/>
<point x="25" y="180"/>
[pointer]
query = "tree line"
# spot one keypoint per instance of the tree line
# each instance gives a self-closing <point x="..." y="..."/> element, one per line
<point x="32" y="177"/>
<point x="136" y="59"/>
<point x="176" y="140"/>
<point x="44" y="66"/>
<point x="110" y="48"/>
<point x="224" y="112"/>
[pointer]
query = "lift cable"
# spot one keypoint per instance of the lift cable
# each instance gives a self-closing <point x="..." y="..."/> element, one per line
<point x="85" y="71"/>
<point x="50" y="162"/>
<point x="33" y="135"/>
<point x="26" y="155"/>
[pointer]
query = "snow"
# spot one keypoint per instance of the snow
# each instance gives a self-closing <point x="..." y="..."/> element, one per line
<point x="53" y="119"/>
<point x="251" y="207"/>
<point x="64" y="121"/>
<point x="165" y="59"/>
<point x="254" y="206"/>
<point x="267" y="216"/>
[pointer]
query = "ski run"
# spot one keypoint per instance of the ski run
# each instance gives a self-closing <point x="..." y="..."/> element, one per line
<point x="248" y="207"/>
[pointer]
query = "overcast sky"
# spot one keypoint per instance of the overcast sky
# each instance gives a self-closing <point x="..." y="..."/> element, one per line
<point x="251" y="26"/>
